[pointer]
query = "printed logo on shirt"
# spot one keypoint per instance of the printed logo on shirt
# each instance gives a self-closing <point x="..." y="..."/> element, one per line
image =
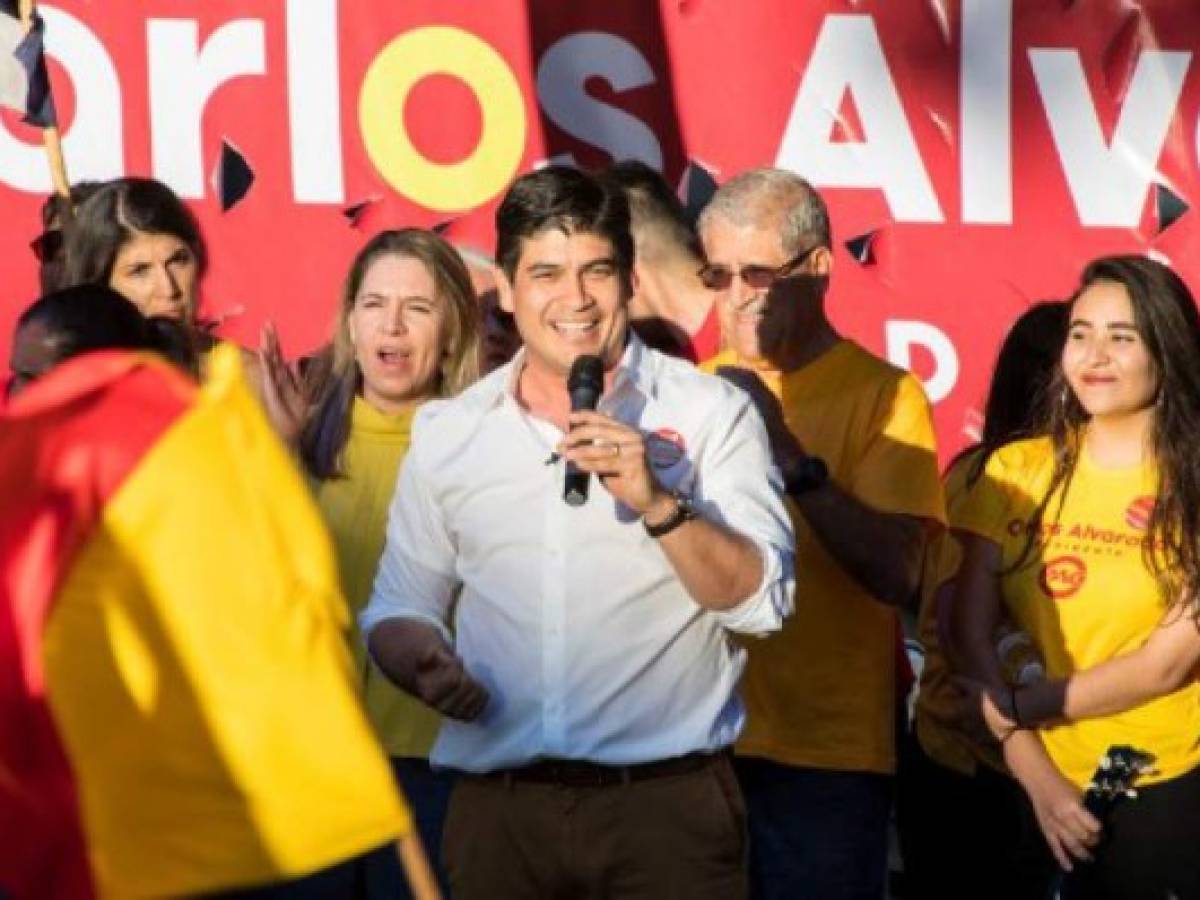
<point x="1091" y="539"/>
<point x="1138" y="514"/>
<point x="665" y="448"/>
<point x="1062" y="577"/>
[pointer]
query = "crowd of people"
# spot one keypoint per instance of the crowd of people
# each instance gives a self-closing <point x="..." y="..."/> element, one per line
<point x="694" y="683"/>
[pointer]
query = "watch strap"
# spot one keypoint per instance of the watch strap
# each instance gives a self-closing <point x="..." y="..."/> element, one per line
<point x="683" y="512"/>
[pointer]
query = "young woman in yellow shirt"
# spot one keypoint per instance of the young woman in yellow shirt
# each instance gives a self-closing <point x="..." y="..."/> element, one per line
<point x="1090" y="536"/>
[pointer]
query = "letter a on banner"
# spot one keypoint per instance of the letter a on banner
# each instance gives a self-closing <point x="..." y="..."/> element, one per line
<point x="849" y="57"/>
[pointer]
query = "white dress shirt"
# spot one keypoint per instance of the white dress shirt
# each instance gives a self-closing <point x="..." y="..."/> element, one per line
<point x="573" y="617"/>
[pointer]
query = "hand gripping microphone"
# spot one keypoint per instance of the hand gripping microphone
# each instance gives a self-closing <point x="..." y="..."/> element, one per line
<point x="585" y="383"/>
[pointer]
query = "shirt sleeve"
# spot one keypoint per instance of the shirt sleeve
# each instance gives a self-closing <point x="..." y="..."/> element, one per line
<point x="986" y="506"/>
<point x="739" y="487"/>
<point x="416" y="578"/>
<point x="898" y="469"/>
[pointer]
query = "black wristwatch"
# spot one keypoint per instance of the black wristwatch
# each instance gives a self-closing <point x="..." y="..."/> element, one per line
<point x="683" y="512"/>
<point x="807" y="475"/>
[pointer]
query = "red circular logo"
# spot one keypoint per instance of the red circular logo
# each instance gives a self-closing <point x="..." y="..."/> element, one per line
<point x="1137" y="515"/>
<point x="1063" y="576"/>
<point x="665" y="448"/>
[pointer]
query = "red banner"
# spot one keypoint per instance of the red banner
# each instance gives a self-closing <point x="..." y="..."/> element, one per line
<point x="992" y="147"/>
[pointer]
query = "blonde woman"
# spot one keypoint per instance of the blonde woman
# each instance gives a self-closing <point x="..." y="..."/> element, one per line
<point x="406" y="332"/>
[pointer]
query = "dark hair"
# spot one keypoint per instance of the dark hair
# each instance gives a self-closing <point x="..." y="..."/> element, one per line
<point x="1017" y="393"/>
<point x="92" y="317"/>
<point x="58" y="213"/>
<point x="110" y="218"/>
<point x="86" y="317"/>
<point x="334" y="378"/>
<point x="654" y="210"/>
<point x="1165" y="315"/>
<point x="568" y="200"/>
<point x="56" y="209"/>
<point x="1024" y="366"/>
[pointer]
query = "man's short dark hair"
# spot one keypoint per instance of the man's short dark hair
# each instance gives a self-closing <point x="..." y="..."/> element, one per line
<point x="568" y="200"/>
<point x="657" y="216"/>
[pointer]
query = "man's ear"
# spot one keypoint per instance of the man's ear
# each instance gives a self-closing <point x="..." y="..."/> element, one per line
<point x="822" y="262"/>
<point x="634" y="283"/>
<point x="504" y="292"/>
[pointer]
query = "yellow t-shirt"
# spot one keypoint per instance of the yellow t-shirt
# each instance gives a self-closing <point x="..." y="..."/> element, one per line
<point x="936" y="712"/>
<point x="822" y="691"/>
<point x="1085" y="595"/>
<point x="355" y="508"/>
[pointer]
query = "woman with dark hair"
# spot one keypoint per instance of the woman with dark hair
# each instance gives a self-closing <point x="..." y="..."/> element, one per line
<point x="957" y="808"/>
<point x="406" y="332"/>
<point x="1090" y="538"/>
<point x="136" y="236"/>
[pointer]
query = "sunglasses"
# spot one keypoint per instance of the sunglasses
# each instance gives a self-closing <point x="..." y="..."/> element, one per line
<point x="759" y="278"/>
<point x="47" y="245"/>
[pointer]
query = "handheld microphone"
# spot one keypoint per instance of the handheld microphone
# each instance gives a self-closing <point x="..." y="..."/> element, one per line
<point x="585" y="384"/>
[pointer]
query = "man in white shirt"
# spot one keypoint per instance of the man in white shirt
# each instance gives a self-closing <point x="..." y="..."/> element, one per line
<point x="590" y="685"/>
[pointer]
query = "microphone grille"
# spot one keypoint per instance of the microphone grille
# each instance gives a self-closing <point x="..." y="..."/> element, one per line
<point x="586" y="371"/>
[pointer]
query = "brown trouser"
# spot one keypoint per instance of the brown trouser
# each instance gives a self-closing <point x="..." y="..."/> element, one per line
<point x="670" y="836"/>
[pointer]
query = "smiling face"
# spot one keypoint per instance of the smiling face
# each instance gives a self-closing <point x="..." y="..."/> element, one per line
<point x="1105" y="359"/>
<point x="569" y="299"/>
<point x="158" y="274"/>
<point x="759" y="324"/>
<point x="398" y="327"/>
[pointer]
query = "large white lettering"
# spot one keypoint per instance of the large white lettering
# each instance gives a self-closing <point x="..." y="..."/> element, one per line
<point x="1109" y="180"/>
<point x="182" y="78"/>
<point x="902" y="335"/>
<point x="314" y="101"/>
<point x="848" y="57"/>
<point x="92" y="144"/>
<point x="985" y="107"/>
<point x="561" y="75"/>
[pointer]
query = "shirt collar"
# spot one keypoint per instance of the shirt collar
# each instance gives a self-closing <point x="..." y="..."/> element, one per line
<point x="634" y="372"/>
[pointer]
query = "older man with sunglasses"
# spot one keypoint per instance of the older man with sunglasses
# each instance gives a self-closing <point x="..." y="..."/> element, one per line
<point x="854" y="440"/>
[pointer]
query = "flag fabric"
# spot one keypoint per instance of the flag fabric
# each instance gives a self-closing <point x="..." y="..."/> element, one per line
<point x="24" y="81"/>
<point x="178" y="709"/>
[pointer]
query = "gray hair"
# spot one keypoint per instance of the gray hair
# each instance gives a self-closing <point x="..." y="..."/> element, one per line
<point x="754" y="195"/>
